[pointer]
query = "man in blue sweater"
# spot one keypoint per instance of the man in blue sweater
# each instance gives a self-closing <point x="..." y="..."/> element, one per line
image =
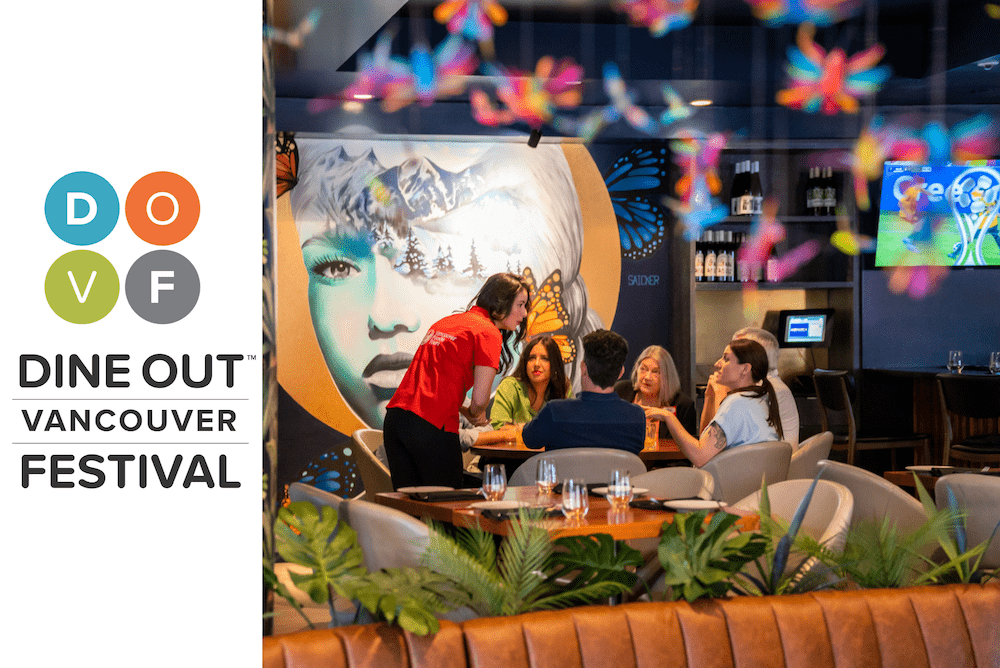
<point x="598" y="417"/>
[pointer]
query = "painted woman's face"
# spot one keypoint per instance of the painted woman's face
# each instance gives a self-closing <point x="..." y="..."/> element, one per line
<point x="370" y="318"/>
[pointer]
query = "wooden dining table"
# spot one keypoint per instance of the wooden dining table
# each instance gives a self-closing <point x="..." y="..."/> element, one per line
<point x="620" y="525"/>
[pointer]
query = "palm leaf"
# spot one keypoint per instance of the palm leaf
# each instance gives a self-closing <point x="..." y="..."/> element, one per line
<point x="472" y="583"/>
<point x="594" y="557"/>
<point x="522" y="556"/>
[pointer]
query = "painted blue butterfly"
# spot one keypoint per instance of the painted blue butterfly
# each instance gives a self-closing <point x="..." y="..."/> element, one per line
<point x="334" y="471"/>
<point x="641" y="221"/>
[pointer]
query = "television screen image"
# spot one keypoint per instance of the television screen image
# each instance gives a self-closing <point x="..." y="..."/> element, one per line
<point x="942" y="215"/>
<point x="805" y="328"/>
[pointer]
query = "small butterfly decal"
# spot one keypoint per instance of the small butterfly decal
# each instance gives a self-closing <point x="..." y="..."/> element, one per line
<point x="286" y="159"/>
<point x="639" y="173"/>
<point x="660" y="16"/>
<point x="334" y="471"/>
<point x="472" y="19"/>
<point x="547" y="314"/>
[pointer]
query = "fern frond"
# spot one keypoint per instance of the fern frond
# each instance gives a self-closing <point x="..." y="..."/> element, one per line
<point x="476" y="586"/>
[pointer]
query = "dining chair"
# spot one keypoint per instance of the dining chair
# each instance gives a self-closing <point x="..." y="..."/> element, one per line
<point x="676" y="482"/>
<point x="591" y="464"/>
<point x="979" y="497"/>
<point x="827" y="518"/>
<point x="374" y="474"/>
<point x="739" y="471"/>
<point x="808" y="455"/>
<point x="875" y="497"/>
<point x="975" y="398"/>
<point x="834" y="392"/>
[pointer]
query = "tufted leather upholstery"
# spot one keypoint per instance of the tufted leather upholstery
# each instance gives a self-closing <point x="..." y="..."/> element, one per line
<point x="933" y="627"/>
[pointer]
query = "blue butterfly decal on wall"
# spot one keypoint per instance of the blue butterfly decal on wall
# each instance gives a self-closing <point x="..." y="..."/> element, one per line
<point x="334" y="471"/>
<point x="632" y="181"/>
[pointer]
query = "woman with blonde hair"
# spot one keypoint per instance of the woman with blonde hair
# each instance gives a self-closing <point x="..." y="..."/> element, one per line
<point x="655" y="385"/>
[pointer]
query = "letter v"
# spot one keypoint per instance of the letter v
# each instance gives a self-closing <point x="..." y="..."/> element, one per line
<point x="76" y="288"/>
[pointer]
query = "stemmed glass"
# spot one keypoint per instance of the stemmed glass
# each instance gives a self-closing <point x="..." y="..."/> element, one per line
<point x="619" y="492"/>
<point x="995" y="362"/>
<point x="575" y="499"/>
<point x="545" y="476"/>
<point x="494" y="482"/>
<point x="955" y="361"/>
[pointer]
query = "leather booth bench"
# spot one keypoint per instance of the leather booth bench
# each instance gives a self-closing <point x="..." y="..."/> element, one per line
<point x="955" y="626"/>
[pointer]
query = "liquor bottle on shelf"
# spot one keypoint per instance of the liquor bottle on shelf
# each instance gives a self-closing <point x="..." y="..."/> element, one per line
<point x="731" y="256"/>
<point x="756" y="190"/>
<point x="746" y="197"/>
<point x="736" y="189"/>
<point x="709" y="256"/>
<point x="829" y="194"/>
<point x="771" y="269"/>
<point x="699" y="260"/>
<point x="817" y="192"/>
<point x="810" y="184"/>
<point x="721" y="256"/>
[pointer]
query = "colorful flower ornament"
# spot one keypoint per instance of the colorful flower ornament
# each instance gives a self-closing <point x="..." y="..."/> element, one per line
<point x="377" y="71"/>
<point x="531" y="99"/>
<point x="819" y="12"/>
<point x="660" y="16"/>
<point x="697" y="156"/>
<point x="296" y="37"/>
<point x="472" y="19"/>
<point x="830" y="82"/>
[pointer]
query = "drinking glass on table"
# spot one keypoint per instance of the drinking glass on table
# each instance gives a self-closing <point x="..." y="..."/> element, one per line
<point x="545" y="475"/>
<point x="995" y="362"/>
<point x="494" y="482"/>
<point x="575" y="499"/>
<point x="955" y="361"/>
<point x="619" y="492"/>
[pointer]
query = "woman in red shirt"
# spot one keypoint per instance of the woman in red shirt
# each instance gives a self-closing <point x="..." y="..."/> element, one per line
<point x="460" y="351"/>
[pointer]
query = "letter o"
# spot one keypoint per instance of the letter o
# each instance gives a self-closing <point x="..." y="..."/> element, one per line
<point x="162" y="208"/>
<point x="171" y="374"/>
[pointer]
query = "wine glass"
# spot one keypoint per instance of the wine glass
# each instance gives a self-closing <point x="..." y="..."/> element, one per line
<point x="494" y="482"/>
<point x="955" y="361"/>
<point x="619" y="492"/>
<point x="545" y="475"/>
<point x="995" y="362"/>
<point x="575" y="499"/>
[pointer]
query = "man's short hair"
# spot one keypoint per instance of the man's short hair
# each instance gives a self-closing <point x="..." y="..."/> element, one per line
<point x="764" y="338"/>
<point x="604" y="353"/>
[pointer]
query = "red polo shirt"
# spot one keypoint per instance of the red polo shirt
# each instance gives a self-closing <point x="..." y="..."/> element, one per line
<point x="441" y="372"/>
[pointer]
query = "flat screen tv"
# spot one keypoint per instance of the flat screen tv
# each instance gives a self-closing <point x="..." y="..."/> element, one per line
<point x="942" y="215"/>
<point x="805" y="328"/>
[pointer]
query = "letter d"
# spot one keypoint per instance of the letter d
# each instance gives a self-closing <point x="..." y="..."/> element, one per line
<point x="71" y="200"/>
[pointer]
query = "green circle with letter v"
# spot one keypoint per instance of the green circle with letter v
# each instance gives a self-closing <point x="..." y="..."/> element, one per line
<point x="81" y="287"/>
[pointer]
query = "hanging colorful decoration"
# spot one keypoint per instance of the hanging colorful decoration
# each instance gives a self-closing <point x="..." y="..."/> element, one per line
<point x="472" y="19"/>
<point x="830" y="82"/>
<point x="697" y="156"/>
<point x="423" y="78"/>
<point x="819" y="12"/>
<point x="530" y="99"/>
<point x="296" y="37"/>
<point x="660" y="16"/>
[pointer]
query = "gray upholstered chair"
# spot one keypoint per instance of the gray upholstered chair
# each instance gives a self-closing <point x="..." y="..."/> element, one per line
<point x="591" y="464"/>
<point x="808" y="455"/>
<point x="979" y="497"/>
<point x="374" y="474"/>
<point x="676" y="482"/>
<point x="738" y="472"/>
<point x="875" y="497"/>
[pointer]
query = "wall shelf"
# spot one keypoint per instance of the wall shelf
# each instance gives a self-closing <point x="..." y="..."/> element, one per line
<point x="790" y="285"/>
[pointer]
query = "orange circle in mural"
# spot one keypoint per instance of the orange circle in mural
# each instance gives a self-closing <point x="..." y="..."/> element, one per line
<point x="162" y="208"/>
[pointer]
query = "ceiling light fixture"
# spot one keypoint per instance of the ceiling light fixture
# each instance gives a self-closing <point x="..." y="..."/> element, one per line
<point x="700" y="103"/>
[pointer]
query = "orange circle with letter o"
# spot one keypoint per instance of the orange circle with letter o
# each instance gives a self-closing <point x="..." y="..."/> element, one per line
<point x="162" y="208"/>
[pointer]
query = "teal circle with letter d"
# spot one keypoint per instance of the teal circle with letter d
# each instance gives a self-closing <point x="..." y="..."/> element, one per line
<point x="81" y="208"/>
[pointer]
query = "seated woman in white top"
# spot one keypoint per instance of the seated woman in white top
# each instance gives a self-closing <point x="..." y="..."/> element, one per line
<point x="740" y="406"/>
<point x="786" y="402"/>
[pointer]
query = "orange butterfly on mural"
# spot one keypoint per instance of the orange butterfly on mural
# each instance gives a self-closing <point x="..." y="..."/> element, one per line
<point x="547" y="314"/>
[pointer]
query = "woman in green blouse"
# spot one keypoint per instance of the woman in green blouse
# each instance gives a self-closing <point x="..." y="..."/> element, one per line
<point x="539" y="377"/>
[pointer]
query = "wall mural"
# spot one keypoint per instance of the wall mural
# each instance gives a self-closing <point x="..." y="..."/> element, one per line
<point x="379" y="239"/>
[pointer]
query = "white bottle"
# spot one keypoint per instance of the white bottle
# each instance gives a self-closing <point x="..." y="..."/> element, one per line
<point x="699" y="261"/>
<point x="710" y="256"/>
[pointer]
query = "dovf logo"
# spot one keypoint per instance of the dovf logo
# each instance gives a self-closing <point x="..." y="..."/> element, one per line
<point x="82" y="209"/>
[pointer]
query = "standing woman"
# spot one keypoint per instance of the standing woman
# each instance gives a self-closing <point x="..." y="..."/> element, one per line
<point x="460" y="351"/>
<point x="740" y="406"/>
<point x="539" y="377"/>
<point x="655" y="385"/>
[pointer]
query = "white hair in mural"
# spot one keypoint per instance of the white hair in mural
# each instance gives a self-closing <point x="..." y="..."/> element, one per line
<point x="397" y="235"/>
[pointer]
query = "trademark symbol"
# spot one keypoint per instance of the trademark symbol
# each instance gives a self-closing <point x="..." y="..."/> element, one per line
<point x="251" y="356"/>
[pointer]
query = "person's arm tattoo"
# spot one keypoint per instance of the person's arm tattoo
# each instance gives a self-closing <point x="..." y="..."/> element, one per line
<point x="717" y="437"/>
